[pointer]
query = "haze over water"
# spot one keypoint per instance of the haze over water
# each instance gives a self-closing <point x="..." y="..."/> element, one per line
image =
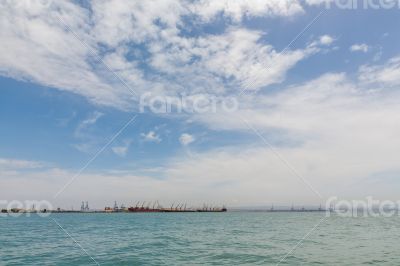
<point x="232" y="238"/>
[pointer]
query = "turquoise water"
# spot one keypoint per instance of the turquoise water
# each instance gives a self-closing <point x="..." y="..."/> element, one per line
<point x="232" y="238"/>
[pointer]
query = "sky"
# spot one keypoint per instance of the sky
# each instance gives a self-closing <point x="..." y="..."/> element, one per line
<point x="312" y="86"/>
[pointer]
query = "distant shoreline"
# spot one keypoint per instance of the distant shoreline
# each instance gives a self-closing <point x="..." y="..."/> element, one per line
<point x="164" y="211"/>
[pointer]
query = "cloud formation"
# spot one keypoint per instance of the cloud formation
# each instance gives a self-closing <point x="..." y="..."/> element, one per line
<point x="185" y="139"/>
<point x="387" y="74"/>
<point x="151" y="136"/>
<point x="7" y="163"/>
<point x="337" y="131"/>
<point x="122" y="150"/>
<point x="111" y="48"/>
<point x="359" y="48"/>
<point x="326" y="40"/>
<point x="339" y="134"/>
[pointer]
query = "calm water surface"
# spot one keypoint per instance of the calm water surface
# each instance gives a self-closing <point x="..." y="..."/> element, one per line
<point x="232" y="238"/>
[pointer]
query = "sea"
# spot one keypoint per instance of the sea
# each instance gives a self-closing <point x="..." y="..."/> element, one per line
<point x="231" y="238"/>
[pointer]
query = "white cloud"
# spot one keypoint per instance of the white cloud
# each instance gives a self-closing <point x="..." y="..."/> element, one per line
<point x="185" y="139"/>
<point x="122" y="150"/>
<point x="359" y="48"/>
<point x="237" y="55"/>
<point x="85" y="133"/>
<point x="319" y="2"/>
<point x="338" y="134"/>
<point x="12" y="167"/>
<point x="236" y="10"/>
<point x="90" y="120"/>
<point x="6" y="163"/>
<point x="37" y="46"/>
<point x="151" y="136"/>
<point x="208" y="175"/>
<point x="284" y="108"/>
<point x="48" y="182"/>
<point x="326" y="40"/>
<point x="387" y="74"/>
<point x="321" y="41"/>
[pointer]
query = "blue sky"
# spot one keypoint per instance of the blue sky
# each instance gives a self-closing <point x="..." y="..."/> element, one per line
<point x="318" y="116"/>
